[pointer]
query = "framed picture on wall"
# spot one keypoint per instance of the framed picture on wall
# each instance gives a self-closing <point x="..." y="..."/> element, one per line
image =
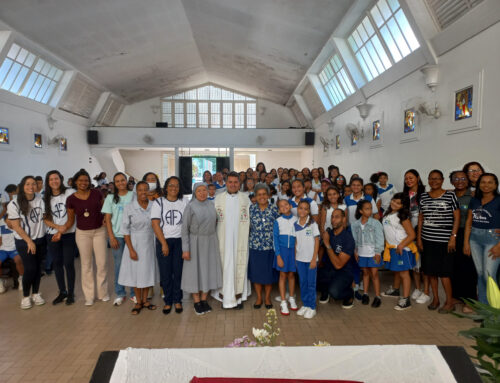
<point x="463" y="103"/>
<point x="4" y="136"/>
<point x="376" y="130"/>
<point x="354" y="139"/>
<point x="337" y="141"/>
<point x="63" y="144"/>
<point x="37" y="140"/>
<point x="410" y="122"/>
<point x="467" y="97"/>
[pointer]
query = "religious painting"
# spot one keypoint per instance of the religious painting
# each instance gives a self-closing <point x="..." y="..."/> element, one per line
<point x="38" y="140"/>
<point x="337" y="141"/>
<point x="63" y="144"/>
<point x="410" y="123"/>
<point x="463" y="104"/>
<point x="4" y="136"/>
<point x="376" y="130"/>
<point x="354" y="139"/>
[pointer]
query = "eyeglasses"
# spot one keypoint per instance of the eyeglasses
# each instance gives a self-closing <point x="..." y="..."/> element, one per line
<point x="459" y="179"/>
<point x="474" y="170"/>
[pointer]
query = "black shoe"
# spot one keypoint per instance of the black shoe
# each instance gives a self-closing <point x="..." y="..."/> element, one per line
<point x="239" y="306"/>
<point x="70" y="299"/>
<point x="60" y="298"/>
<point x="403" y="304"/>
<point x="48" y="271"/>
<point x="166" y="311"/>
<point x="358" y="295"/>
<point x="257" y="306"/>
<point x="269" y="306"/>
<point x="376" y="302"/>
<point x="324" y="298"/>
<point x="348" y="303"/>
<point x="365" y="299"/>
<point x="198" y="308"/>
<point x="178" y="310"/>
<point x="206" y="306"/>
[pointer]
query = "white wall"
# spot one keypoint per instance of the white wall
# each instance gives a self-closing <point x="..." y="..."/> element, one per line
<point x="435" y="148"/>
<point x="139" y="162"/>
<point x="297" y="159"/>
<point x="20" y="158"/>
<point x="141" y="114"/>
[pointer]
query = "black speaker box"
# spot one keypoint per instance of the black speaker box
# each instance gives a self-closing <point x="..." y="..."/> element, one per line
<point x="309" y="138"/>
<point x="186" y="174"/>
<point x="92" y="137"/>
<point x="162" y="124"/>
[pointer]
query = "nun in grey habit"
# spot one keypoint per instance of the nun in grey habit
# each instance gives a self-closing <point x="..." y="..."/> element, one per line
<point x="202" y="269"/>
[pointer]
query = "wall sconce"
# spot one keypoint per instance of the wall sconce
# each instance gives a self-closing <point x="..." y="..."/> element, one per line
<point x="364" y="110"/>
<point x="431" y="74"/>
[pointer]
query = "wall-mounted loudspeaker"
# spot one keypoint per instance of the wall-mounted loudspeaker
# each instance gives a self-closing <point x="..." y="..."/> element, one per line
<point x="92" y="137"/>
<point x="309" y="139"/>
<point x="162" y="124"/>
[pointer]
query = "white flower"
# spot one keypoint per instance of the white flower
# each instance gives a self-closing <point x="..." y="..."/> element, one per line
<point x="260" y="333"/>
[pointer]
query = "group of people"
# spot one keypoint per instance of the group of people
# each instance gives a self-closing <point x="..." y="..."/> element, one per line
<point x="257" y="227"/>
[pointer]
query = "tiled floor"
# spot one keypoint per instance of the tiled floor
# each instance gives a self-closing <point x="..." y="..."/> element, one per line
<point x="62" y="344"/>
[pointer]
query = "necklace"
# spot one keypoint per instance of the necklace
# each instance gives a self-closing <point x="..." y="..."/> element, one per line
<point x="86" y="214"/>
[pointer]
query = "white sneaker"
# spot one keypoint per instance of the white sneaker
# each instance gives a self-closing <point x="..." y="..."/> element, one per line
<point x="310" y="313"/>
<point x="118" y="301"/>
<point x="20" y="280"/>
<point x="423" y="298"/>
<point x="416" y="294"/>
<point x="2" y="287"/>
<point x="26" y="303"/>
<point x="133" y="299"/>
<point x="89" y="303"/>
<point x="278" y="298"/>
<point x="284" y="308"/>
<point x="37" y="299"/>
<point x="302" y="310"/>
<point x="293" y="304"/>
<point x="106" y="298"/>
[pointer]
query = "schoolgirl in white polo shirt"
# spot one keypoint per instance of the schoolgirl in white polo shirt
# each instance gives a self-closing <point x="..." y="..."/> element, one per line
<point x="306" y="257"/>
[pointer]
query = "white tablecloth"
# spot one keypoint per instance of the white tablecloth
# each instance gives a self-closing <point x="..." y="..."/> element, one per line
<point x="371" y="364"/>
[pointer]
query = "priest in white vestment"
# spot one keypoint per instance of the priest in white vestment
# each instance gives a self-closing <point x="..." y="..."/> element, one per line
<point x="233" y="226"/>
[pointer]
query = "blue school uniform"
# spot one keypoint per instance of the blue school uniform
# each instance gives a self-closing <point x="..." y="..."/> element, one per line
<point x="284" y="242"/>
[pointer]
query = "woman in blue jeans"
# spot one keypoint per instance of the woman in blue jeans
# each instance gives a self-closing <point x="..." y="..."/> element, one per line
<point x="166" y="218"/>
<point x="113" y="212"/>
<point x="483" y="221"/>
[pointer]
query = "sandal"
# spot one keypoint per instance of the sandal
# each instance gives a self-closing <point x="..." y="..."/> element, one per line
<point x="137" y="309"/>
<point x="149" y="306"/>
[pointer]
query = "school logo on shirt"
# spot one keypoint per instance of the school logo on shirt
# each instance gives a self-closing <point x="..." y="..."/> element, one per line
<point x="309" y="232"/>
<point x="173" y="217"/>
<point x="59" y="210"/>
<point x="36" y="214"/>
<point x="338" y="249"/>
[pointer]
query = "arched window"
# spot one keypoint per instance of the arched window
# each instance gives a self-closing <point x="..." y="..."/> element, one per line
<point x="209" y="106"/>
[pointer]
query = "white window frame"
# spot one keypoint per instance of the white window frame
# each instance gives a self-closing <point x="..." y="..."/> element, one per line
<point x="347" y="92"/>
<point x="182" y="99"/>
<point x="377" y="32"/>
<point x="58" y="73"/>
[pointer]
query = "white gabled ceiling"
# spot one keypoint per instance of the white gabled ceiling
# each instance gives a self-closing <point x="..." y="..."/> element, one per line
<point x="141" y="49"/>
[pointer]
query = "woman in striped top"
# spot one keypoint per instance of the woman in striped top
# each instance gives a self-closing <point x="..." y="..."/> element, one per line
<point x="438" y="223"/>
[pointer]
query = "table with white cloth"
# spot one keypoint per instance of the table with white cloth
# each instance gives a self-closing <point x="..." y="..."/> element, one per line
<point x="374" y="363"/>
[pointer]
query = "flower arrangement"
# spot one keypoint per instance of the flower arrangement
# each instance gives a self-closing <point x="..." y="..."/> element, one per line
<point x="266" y="336"/>
<point x="487" y="336"/>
